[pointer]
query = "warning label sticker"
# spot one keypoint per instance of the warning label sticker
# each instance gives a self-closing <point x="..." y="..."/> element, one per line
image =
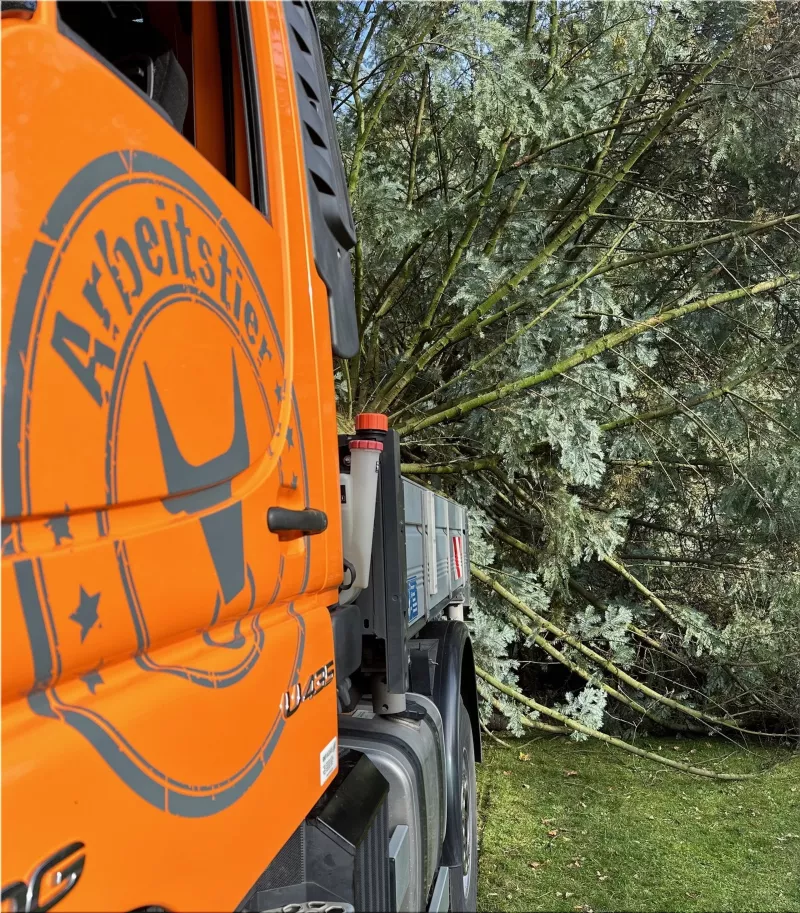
<point x="458" y="557"/>
<point x="327" y="761"/>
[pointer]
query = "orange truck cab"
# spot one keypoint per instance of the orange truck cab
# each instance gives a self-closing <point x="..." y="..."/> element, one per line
<point x="206" y="706"/>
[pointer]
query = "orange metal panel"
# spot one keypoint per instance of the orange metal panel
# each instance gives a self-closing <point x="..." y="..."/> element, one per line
<point x="167" y="379"/>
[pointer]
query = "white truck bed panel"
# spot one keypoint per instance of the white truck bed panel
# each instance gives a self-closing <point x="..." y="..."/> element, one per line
<point x="436" y="552"/>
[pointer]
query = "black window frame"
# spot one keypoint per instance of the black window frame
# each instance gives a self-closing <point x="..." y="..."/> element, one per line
<point x="251" y="104"/>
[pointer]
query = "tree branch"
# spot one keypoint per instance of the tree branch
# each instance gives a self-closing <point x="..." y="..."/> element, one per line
<point x="595" y="734"/>
<point x="604" y="188"/>
<point x="412" y="168"/>
<point x="603" y="344"/>
<point x="604" y="663"/>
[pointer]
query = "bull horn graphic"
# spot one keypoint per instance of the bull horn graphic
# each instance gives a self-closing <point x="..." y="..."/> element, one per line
<point x="194" y="488"/>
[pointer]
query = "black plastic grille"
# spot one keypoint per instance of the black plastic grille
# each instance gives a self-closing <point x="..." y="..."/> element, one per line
<point x="372" y="890"/>
<point x="288" y="867"/>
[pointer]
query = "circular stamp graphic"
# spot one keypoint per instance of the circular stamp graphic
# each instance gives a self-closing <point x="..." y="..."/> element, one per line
<point x="145" y="365"/>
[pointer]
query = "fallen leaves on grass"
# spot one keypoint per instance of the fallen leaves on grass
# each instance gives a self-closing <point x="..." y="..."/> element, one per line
<point x="524" y="757"/>
<point x="655" y="812"/>
<point x="570" y="773"/>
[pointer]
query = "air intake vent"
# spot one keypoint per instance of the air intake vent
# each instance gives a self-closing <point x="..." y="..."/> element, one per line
<point x="288" y="867"/>
<point x="340" y="852"/>
<point x="332" y="222"/>
<point x="372" y="865"/>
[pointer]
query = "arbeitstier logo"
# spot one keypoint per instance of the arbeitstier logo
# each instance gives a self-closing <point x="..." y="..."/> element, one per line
<point x="140" y="310"/>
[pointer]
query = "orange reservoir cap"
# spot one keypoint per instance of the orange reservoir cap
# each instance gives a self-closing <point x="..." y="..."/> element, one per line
<point x="372" y="421"/>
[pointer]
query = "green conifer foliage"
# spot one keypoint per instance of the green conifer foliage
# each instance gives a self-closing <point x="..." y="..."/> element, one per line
<point x="577" y="287"/>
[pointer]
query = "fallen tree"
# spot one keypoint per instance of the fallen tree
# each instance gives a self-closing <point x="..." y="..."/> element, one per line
<point x="575" y="726"/>
<point x="577" y="286"/>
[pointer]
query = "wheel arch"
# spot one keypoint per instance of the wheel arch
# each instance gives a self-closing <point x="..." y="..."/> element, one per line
<point x="454" y="680"/>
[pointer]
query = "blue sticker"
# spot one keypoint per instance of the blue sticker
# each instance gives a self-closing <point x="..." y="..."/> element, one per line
<point x="413" y="601"/>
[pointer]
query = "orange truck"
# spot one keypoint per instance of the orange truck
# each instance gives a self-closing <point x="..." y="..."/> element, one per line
<point x="235" y="670"/>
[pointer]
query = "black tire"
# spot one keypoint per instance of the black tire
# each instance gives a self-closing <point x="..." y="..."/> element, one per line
<point x="464" y="820"/>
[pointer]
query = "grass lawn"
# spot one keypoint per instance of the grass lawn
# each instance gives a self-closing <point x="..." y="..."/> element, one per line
<point x="568" y="826"/>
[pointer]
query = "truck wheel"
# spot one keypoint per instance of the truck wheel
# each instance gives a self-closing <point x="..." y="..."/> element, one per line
<point x="464" y="877"/>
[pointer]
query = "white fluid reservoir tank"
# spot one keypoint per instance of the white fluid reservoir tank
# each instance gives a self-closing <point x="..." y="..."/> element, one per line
<point x="359" y="493"/>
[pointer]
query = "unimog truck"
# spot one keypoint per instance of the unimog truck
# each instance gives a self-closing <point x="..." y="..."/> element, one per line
<point x="236" y="673"/>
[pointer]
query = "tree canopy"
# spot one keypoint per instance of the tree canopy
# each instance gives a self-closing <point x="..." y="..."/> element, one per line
<point x="577" y="289"/>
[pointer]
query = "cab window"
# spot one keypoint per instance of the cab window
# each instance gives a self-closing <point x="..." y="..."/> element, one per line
<point x="194" y="63"/>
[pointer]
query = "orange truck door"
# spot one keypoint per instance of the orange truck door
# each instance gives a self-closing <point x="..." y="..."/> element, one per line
<point x="169" y="461"/>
